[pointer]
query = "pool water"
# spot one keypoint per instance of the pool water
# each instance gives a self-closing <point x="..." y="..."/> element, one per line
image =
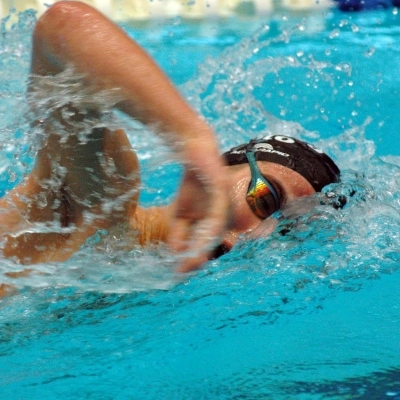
<point x="309" y="312"/>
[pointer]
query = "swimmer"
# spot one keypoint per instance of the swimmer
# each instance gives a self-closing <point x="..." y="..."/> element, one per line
<point x="72" y="180"/>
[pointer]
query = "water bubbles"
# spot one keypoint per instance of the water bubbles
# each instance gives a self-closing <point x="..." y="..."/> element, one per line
<point x="334" y="34"/>
<point x="12" y="175"/>
<point x="370" y="52"/>
<point x="344" y="67"/>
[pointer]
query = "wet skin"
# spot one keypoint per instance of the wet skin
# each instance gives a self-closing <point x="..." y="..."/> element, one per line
<point x="289" y="185"/>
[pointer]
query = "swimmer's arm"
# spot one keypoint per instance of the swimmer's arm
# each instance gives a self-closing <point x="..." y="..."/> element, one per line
<point x="19" y="212"/>
<point x="72" y="33"/>
<point x="73" y="212"/>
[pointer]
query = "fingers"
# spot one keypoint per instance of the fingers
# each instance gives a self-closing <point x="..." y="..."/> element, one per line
<point x="191" y="264"/>
<point x="200" y="219"/>
<point x="198" y="241"/>
<point x="178" y="239"/>
<point x="193" y="245"/>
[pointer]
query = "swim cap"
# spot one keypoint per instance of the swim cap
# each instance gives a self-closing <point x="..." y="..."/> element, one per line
<point x="313" y="164"/>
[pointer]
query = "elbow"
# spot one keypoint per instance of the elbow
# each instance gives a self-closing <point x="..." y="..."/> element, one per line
<point x="60" y="19"/>
<point x="57" y="35"/>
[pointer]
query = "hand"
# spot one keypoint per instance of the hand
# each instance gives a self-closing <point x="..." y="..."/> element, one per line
<point x="201" y="208"/>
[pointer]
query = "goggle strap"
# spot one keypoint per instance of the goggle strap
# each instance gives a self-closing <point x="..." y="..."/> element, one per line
<point x="255" y="175"/>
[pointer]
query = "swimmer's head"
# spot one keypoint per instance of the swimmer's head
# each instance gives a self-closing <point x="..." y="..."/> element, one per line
<point x="313" y="164"/>
<point x="293" y="169"/>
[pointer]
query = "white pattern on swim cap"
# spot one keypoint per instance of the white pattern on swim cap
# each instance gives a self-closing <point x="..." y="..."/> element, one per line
<point x="284" y="139"/>
<point x="261" y="146"/>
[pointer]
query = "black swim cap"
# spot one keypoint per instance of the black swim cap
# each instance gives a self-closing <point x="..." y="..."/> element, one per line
<point x="313" y="164"/>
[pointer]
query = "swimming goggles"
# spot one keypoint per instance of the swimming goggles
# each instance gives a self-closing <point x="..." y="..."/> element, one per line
<point x="261" y="195"/>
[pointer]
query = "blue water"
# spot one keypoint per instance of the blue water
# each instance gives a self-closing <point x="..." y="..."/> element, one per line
<point x="310" y="312"/>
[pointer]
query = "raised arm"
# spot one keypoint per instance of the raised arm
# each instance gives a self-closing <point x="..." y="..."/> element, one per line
<point x="74" y="34"/>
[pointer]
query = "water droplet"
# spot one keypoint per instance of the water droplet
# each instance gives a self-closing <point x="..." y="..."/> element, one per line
<point x="334" y="34"/>
<point x="369" y="52"/>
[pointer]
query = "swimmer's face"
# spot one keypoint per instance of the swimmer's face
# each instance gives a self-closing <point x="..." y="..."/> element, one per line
<point x="288" y="184"/>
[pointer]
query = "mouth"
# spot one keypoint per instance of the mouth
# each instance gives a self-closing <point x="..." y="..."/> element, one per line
<point x="219" y="251"/>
